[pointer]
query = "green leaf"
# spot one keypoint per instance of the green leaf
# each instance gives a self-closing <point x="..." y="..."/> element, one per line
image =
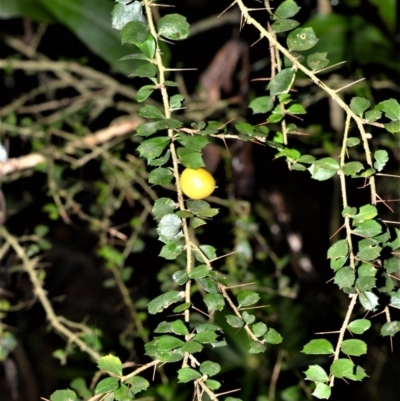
<point x="180" y="277"/>
<point x="160" y="176"/>
<point x="27" y="9"/>
<point x="196" y="222"/>
<point x="359" y="374"/>
<point x="169" y="225"/>
<point x="381" y="157"/>
<point x="316" y="374"/>
<point x="149" y="111"/>
<point x="138" y="384"/>
<point x="261" y="104"/>
<point x="64" y="395"/>
<point x="134" y="32"/>
<point x="175" y="101"/>
<point x="152" y="148"/>
<point x="368" y="249"/>
<point x="296" y="108"/>
<point x="199" y="272"/>
<point x="369" y="300"/>
<point x="307" y="159"/>
<point x="390" y="107"/>
<point x="208" y="250"/>
<point x="338" y="249"/>
<point x="259" y="329"/>
<point x="392" y="127"/>
<point x="351" y="142"/>
<point x="214" y="302"/>
<point x="352" y="168"/>
<point x="359" y="326"/>
<point x="390" y="328"/>
<point x="366" y="212"/>
<point x="317" y="61"/>
<point x="163" y="206"/>
<point x="322" y="391"/>
<point x="373" y="115"/>
<point x="209" y="284"/>
<point x="245" y="128"/>
<point x="359" y="104"/>
<point x="301" y="39"/>
<point x="273" y="337"/>
<point x="124" y="13"/>
<point x="256" y="347"/>
<point x="320" y="346"/>
<point x="234" y="321"/>
<point x="182" y="307"/>
<point x="164" y="327"/>
<point x="365" y="283"/>
<point x="287" y="9"/>
<point x="196" y="143"/>
<point x="345" y="277"/>
<point x="186" y="375"/>
<point x="210" y="368"/>
<point x="201" y="208"/>
<point x="248" y="317"/>
<point x="106" y="385"/>
<point x="173" y="26"/>
<point x="342" y="368"/>
<point x="247" y="298"/>
<point x="110" y="363"/>
<point x="391" y="265"/>
<point x="144" y="92"/>
<point x="284" y="25"/>
<point x="171" y="251"/>
<point x="164" y="301"/>
<point x="349" y="211"/>
<point x="354" y="347"/>
<point x="192" y="347"/>
<point x="282" y="82"/>
<point x="213" y="384"/>
<point x="168" y="343"/>
<point x="190" y="158"/>
<point x="323" y="169"/>
<point x="205" y="337"/>
<point x="368" y="228"/>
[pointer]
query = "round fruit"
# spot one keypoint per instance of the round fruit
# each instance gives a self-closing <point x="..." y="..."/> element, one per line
<point x="197" y="184"/>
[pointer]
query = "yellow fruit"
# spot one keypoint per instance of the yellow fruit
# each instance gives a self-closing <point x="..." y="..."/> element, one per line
<point x="197" y="184"/>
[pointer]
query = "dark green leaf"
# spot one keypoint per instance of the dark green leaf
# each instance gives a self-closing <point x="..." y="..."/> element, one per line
<point x="189" y="158"/>
<point x="359" y="104"/>
<point x="152" y="148"/>
<point x="366" y="212"/>
<point x="199" y="272"/>
<point x="282" y="82"/>
<point x="134" y="32"/>
<point x="365" y="283"/>
<point x="391" y="265"/>
<point x="144" y="92"/>
<point x="390" y="328"/>
<point x="368" y="249"/>
<point x="196" y="143"/>
<point x="284" y="25"/>
<point x="175" y="101"/>
<point x="256" y="347"/>
<point x="338" y="249"/>
<point x="186" y="375"/>
<point x="106" y="385"/>
<point x="209" y="284"/>
<point x="149" y="111"/>
<point x="192" y="347"/>
<point x="164" y="301"/>
<point x="345" y="277"/>
<point x="261" y="104"/>
<point x="173" y="26"/>
<point x="171" y="251"/>
<point x="214" y="302"/>
<point x="368" y="228"/>
<point x="301" y="39"/>
<point x="182" y="307"/>
<point x="245" y="128"/>
<point x="168" y="343"/>
<point x="163" y="206"/>
<point x="234" y="321"/>
<point x="317" y="61"/>
<point x="180" y="277"/>
<point x="287" y="9"/>
<point x="138" y="384"/>
<point x="205" y="337"/>
<point x="160" y="176"/>
<point x="247" y="298"/>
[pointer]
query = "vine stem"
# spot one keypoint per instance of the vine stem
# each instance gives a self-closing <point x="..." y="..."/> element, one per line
<point x="342" y="332"/>
<point x="29" y="266"/>
<point x="175" y="162"/>
<point x="312" y="75"/>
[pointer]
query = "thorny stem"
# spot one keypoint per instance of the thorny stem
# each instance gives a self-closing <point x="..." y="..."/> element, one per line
<point x="312" y="75"/>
